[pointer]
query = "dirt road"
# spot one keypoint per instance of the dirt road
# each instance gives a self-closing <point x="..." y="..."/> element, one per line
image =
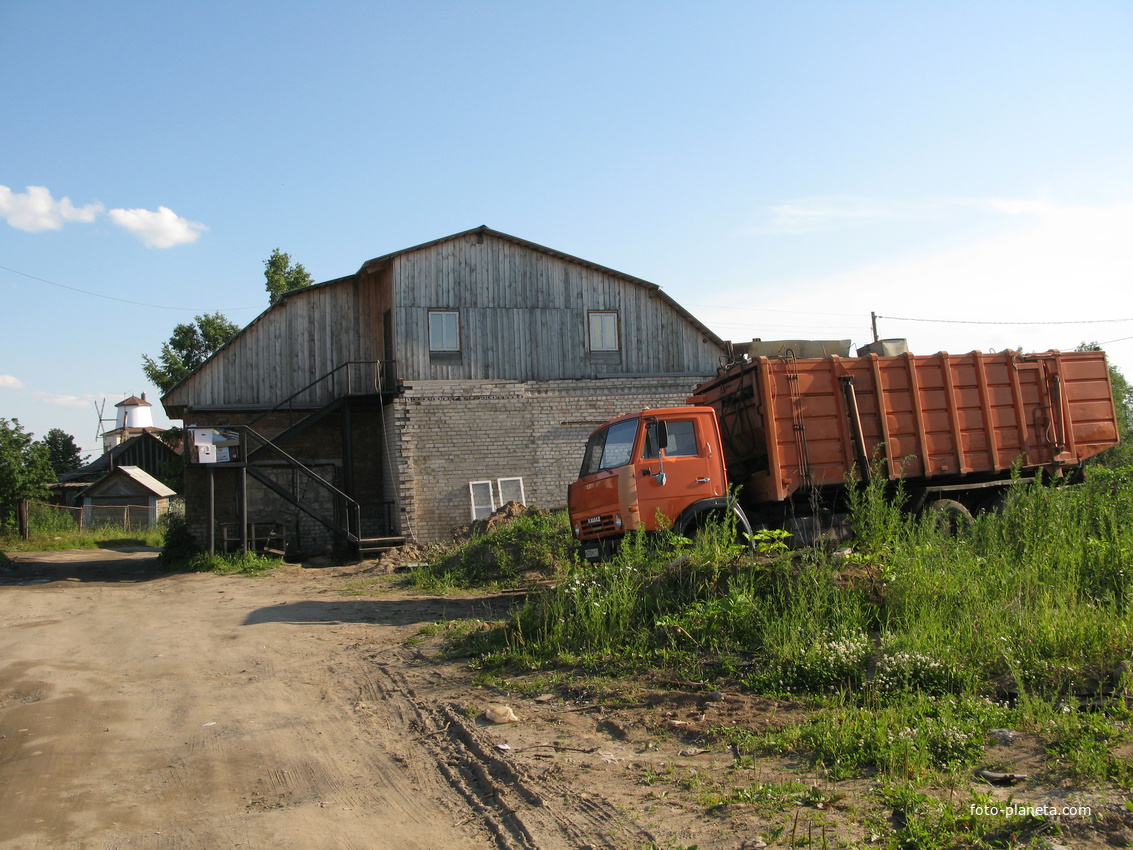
<point x="308" y="709"/>
<point x="305" y="709"/>
<point x="146" y="710"/>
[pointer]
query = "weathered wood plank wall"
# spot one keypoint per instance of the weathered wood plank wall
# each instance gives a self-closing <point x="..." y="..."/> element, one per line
<point x="523" y="316"/>
<point x="292" y="345"/>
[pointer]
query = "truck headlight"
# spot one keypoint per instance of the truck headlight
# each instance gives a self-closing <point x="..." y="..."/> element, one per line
<point x="578" y="529"/>
<point x="618" y="521"/>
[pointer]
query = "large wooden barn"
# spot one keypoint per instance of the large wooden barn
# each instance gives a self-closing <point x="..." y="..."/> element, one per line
<point x="428" y="388"/>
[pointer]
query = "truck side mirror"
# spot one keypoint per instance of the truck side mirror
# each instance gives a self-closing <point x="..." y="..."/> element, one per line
<point x="662" y="435"/>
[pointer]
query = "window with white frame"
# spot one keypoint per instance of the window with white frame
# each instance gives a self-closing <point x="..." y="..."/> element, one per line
<point x="604" y="331"/>
<point x="483" y="502"/>
<point x="444" y="330"/>
<point x="510" y="490"/>
<point x="483" y="495"/>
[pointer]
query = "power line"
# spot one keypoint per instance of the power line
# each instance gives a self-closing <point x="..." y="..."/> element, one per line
<point x="973" y="322"/>
<point x="111" y="297"/>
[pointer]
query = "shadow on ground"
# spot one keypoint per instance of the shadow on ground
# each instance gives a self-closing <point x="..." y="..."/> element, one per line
<point x="126" y="564"/>
<point x="392" y="612"/>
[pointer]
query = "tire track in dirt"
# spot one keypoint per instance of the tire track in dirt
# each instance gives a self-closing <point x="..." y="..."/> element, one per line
<point x="519" y="810"/>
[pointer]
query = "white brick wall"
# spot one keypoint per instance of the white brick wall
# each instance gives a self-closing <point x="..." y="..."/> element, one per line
<point x="450" y="433"/>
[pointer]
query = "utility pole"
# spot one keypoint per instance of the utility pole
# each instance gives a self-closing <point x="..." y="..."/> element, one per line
<point x="873" y="322"/>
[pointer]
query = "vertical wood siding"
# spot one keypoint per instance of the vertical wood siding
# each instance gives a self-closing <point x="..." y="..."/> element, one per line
<point x="523" y="316"/>
<point x="293" y="344"/>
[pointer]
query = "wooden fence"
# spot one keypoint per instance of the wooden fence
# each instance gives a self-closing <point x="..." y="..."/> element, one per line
<point x="42" y="517"/>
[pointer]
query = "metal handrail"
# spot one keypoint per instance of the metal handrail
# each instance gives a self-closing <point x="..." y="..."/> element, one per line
<point x="379" y="384"/>
<point x="352" y="509"/>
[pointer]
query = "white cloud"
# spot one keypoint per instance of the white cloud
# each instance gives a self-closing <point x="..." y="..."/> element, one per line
<point x="35" y="210"/>
<point x="162" y="228"/>
<point x="11" y="382"/>
<point x="63" y="400"/>
<point x="807" y="215"/>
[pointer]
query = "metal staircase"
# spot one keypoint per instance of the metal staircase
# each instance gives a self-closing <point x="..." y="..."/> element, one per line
<point x="300" y="486"/>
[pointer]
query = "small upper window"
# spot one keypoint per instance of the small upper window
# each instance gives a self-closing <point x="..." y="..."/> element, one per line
<point x="604" y="331"/>
<point x="444" y="330"/>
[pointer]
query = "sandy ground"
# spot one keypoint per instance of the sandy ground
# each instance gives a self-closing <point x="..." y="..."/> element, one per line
<point x="306" y="709"/>
<point x="192" y="710"/>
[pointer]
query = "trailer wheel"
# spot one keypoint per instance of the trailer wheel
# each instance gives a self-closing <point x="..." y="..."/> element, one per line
<point x="953" y="515"/>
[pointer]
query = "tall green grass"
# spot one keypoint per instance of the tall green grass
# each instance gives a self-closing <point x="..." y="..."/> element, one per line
<point x="911" y="656"/>
<point x="1033" y="600"/>
<point x="52" y="529"/>
<point x="1036" y="596"/>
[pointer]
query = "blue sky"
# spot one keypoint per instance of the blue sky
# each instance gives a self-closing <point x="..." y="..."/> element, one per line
<point x="782" y="169"/>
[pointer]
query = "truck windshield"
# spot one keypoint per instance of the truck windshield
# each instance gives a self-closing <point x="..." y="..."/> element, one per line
<point x="609" y="448"/>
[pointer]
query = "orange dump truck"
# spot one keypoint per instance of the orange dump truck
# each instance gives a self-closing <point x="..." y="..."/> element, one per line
<point x="790" y="432"/>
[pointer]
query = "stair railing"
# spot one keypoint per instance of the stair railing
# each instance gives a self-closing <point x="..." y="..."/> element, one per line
<point x="384" y="381"/>
<point x="348" y="513"/>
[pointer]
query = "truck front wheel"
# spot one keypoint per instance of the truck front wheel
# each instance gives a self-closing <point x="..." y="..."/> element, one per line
<point x="714" y="511"/>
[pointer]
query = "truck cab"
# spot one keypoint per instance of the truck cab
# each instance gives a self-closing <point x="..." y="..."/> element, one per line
<point x="653" y="469"/>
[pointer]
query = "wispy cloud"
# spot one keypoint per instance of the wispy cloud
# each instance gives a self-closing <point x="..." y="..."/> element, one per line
<point x="1056" y="264"/>
<point x="838" y="212"/>
<point x="807" y="215"/>
<point x="63" y="400"/>
<point x="162" y="228"/>
<point x="36" y="210"/>
<point x="11" y="382"/>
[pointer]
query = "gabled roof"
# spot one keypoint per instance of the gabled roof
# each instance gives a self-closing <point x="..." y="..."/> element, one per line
<point x="483" y="229"/>
<point x="138" y="476"/>
<point x="377" y="262"/>
<point x="103" y="463"/>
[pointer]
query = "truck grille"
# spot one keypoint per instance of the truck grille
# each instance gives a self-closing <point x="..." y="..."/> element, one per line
<point x="597" y="527"/>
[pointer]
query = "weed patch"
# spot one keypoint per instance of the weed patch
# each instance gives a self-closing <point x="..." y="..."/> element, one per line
<point x="907" y="654"/>
<point x="534" y="542"/>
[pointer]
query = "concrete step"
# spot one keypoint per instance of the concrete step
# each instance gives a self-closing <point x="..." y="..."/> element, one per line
<point x="379" y="545"/>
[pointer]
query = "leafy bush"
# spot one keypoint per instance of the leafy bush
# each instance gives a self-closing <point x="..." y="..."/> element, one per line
<point x="49" y="519"/>
<point x="180" y="547"/>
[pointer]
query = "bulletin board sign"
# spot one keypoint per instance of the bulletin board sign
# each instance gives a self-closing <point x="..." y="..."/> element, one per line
<point x="214" y="445"/>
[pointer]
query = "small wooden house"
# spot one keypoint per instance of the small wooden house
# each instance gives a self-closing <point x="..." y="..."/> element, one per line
<point x="128" y="496"/>
<point x="143" y="450"/>
<point x="428" y="388"/>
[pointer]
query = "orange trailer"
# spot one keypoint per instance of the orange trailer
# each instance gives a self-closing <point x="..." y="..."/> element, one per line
<point x="790" y="423"/>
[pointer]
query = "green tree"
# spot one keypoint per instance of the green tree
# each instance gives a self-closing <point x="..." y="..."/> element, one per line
<point x="1121" y="454"/>
<point x="25" y="470"/>
<point x="283" y="276"/>
<point x="189" y="347"/>
<point x="62" y="453"/>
